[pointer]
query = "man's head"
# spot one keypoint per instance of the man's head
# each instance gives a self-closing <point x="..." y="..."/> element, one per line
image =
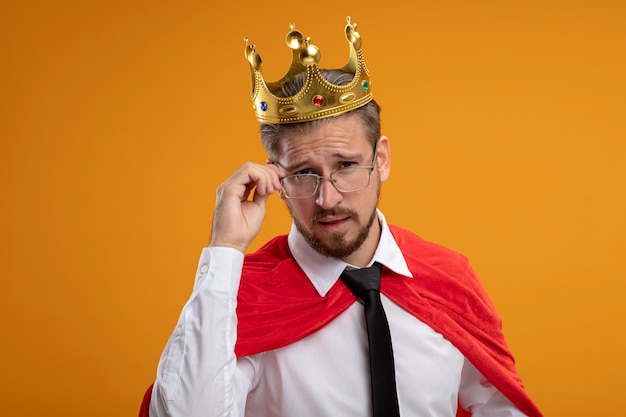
<point x="335" y="223"/>
<point x="321" y="128"/>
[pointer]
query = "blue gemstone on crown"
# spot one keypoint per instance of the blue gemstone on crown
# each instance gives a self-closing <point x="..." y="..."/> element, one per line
<point x="263" y="106"/>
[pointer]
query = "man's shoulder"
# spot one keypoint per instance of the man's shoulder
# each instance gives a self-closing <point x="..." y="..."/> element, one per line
<point x="439" y="272"/>
<point x="271" y="273"/>
<point x="420" y="253"/>
<point x="412" y="243"/>
<point x="269" y="256"/>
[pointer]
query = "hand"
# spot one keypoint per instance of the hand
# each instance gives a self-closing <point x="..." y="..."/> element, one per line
<point x="238" y="218"/>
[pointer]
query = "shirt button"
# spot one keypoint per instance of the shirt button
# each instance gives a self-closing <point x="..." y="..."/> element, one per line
<point x="204" y="269"/>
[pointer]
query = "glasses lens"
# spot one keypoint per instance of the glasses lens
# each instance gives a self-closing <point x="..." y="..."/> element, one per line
<point x="344" y="180"/>
<point x="299" y="186"/>
<point x="351" y="179"/>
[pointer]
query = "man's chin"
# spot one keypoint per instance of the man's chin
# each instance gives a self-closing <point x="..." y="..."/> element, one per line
<point x="335" y="245"/>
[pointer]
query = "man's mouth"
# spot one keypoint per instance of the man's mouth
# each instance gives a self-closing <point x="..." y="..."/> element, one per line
<point x="333" y="223"/>
<point x="332" y="219"/>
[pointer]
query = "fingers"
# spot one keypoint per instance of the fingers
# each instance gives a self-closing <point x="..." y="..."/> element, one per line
<point x="237" y="218"/>
<point x="250" y="179"/>
<point x="263" y="179"/>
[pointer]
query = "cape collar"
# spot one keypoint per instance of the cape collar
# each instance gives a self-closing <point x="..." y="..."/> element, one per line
<point x="323" y="271"/>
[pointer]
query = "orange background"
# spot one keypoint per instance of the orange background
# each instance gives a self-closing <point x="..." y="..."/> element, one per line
<point x="119" y="119"/>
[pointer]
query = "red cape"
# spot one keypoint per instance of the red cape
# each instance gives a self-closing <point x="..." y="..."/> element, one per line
<point x="278" y="305"/>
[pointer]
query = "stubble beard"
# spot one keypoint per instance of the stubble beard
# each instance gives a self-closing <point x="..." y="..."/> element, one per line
<point x="337" y="245"/>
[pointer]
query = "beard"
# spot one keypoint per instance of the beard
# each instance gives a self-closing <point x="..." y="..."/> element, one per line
<point x="337" y="245"/>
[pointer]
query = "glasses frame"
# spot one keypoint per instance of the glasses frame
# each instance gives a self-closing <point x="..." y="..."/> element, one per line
<point x="318" y="178"/>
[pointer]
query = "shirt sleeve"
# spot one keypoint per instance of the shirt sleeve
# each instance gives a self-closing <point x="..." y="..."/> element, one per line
<point x="197" y="374"/>
<point x="481" y="398"/>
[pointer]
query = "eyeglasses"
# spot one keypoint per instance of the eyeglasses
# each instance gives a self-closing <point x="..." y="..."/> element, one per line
<point x="345" y="180"/>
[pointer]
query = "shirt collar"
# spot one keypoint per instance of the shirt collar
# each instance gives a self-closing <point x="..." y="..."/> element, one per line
<point x="323" y="271"/>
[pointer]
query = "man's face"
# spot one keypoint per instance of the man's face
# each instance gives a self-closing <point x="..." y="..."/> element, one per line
<point x="336" y="224"/>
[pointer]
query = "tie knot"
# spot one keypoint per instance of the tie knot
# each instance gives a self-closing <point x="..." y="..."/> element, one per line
<point x="362" y="280"/>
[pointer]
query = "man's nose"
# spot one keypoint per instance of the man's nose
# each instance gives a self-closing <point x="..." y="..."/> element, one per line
<point x="327" y="195"/>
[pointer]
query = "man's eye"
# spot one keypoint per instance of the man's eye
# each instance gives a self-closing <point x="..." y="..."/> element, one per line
<point x="303" y="172"/>
<point x="347" y="164"/>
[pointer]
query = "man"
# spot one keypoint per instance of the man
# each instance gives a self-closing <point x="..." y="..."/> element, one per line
<point x="278" y="332"/>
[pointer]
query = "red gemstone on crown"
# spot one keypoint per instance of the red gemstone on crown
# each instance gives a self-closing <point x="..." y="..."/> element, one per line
<point x="318" y="100"/>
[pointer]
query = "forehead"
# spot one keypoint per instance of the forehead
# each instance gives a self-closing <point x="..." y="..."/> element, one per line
<point x="343" y="134"/>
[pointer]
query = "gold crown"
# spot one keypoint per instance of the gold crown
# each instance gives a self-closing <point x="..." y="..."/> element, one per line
<point x="318" y="98"/>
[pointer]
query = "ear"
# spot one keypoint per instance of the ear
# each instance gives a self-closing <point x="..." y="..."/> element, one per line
<point x="383" y="158"/>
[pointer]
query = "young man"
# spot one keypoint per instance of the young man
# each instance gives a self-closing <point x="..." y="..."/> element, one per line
<point x="277" y="332"/>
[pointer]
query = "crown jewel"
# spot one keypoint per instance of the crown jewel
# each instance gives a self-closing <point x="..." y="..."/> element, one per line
<point x="318" y="98"/>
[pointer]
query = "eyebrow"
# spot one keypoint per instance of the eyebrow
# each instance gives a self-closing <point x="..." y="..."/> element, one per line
<point x="301" y="164"/>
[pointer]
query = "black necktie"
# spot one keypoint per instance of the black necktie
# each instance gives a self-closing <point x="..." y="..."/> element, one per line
<point x="365" y="284"/>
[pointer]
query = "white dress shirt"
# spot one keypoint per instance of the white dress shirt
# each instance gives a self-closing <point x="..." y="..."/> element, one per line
<point x="324" y="374"/>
